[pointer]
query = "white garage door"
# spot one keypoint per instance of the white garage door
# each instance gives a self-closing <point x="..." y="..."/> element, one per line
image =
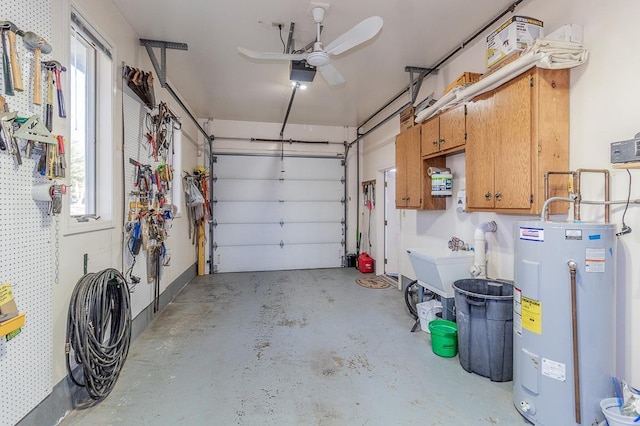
<point x="274" y="214"/>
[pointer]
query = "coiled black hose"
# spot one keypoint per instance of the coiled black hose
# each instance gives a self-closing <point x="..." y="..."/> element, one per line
<point x="99" y="331"/>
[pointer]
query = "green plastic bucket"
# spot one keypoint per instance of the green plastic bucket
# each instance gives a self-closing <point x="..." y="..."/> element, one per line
<point x="444" y="338"/>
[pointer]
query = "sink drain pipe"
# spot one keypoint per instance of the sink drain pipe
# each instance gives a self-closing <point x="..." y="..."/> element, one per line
<point x="479" y="267"/>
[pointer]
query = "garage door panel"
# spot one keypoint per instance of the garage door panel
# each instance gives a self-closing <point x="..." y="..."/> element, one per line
<point x="245" y="167"/>
<point x="247" y="190"/>
<point x="270" y="258"/>
<point x="312" y="191"/>
<point x="247" y="234"/>
<point x="273" y="190"/>
<point x="312" y="168"/>
<point x="268" y="212"/>
<point x="273" y="234"/>
<point x="311" y="233"/>
<point x="313" y="212"/>
<point x="245" y="212"/>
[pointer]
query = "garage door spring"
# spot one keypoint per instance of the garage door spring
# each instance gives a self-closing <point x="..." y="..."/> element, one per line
<point x="98" y="332"/>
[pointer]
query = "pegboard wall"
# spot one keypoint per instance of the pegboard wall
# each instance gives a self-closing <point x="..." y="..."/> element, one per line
<point x="27" y="240"/>
<point x="136" y="148"/>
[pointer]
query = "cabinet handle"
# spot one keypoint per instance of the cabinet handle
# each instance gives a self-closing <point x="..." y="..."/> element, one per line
<point x="441" y="141"/>
<point x="498" y="196"/>
<point x="487" y="196"/>
<point x="435" y="143"/>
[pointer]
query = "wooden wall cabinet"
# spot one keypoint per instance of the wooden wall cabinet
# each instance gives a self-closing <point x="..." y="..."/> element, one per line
<point x="515" y="134"/>
<point x="408" y="169"/>
<point x="413" y="185"/>
<point x="445" y="133"/>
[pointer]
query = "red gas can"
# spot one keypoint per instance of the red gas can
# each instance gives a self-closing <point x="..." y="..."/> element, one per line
<point x="365" y="263"/>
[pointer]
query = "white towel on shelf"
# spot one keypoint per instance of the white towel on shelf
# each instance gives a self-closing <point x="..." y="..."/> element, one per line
<point x="548" y="54"/>
<point x="559" y="54"/>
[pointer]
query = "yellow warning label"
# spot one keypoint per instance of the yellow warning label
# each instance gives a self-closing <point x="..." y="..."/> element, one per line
<point x="6" y="294"/>
<point x="532" y="315"/>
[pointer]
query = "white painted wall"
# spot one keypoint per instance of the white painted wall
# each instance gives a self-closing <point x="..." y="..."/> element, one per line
<point x="604" y="94"/>
<point x="104" y="247"/>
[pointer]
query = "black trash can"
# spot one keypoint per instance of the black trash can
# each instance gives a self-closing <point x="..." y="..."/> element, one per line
<point x="484" y="313"/>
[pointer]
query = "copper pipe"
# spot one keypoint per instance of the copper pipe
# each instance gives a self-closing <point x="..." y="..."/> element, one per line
<point x="576" y="208"/>
<point x="607" y="208"/>
<point x="574" y="325"/>
<point x="546" y="186"/>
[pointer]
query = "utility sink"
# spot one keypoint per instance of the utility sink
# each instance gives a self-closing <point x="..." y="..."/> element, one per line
<point x="438" y="267"/>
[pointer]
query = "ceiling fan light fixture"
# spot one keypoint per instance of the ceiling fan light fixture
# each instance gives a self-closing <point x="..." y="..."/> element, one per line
<point x="318" y="59"/>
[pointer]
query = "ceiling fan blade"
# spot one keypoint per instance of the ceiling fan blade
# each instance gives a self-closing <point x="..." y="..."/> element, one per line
<point x="331" y="75"/>
<point x="276" y="56"/>
<point x="362" y="32"/>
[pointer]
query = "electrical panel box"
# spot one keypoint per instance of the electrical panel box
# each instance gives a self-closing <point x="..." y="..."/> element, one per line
<point x="626" y="151"/>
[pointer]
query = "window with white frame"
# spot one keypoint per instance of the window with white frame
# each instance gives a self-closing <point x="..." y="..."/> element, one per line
<point x="91" y="118"/>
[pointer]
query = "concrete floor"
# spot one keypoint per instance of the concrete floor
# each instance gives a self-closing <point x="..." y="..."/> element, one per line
<point x="304" y="347"/>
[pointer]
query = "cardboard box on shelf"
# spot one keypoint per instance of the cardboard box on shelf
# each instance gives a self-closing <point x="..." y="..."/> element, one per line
<point x="10" y="320"/>
<point x="8" y="307"/>
<point x="464" y="79"/>
<point x="407" y="118"/>
<point x="512" y="36"/>
<point x="501" y="64"/>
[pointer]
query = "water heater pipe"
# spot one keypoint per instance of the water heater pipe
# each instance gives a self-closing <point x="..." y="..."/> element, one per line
<point x="577" y="181"/>
<point x="545" y="207"/>
<point x="547" y="190"/>
<point x="479" y="267"/>
<point x="574" y="326"/>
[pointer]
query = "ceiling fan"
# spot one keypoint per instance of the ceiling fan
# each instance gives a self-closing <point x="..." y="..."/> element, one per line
<point x="320" y="57"/>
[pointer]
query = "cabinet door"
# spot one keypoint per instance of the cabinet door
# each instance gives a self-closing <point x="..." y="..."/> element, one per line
<point x="401" y="170"/>
<point x="430" y="139"/>
<point x="452" y="128"/>
<point x="414" y="168"/>
<point x="408" y="169"/>
<point x="480" y="162"/>
<point x="512" y="118"/>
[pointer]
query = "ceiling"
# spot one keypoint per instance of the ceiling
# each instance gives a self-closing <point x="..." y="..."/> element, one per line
<point x="219" y="83"/>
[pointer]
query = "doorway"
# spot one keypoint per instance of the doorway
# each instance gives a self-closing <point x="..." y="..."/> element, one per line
<point x="391" y="225"/>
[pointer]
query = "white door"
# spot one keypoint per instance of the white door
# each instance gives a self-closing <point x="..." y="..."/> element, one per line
<point x="275" y="214"/>
<point x="391" y="225"/>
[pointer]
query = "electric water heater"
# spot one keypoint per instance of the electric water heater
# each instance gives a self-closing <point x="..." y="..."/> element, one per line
<point x="563" y="321"/>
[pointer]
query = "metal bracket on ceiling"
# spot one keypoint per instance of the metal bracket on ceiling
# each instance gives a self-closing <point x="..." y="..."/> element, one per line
<point x="161" y="69"/>
<point x="289" y="47"/>
<point x="415" y="84"/>
<point x="161" y="72"/>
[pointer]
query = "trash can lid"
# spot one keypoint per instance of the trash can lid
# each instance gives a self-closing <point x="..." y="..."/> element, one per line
<point x="479" y="287"/>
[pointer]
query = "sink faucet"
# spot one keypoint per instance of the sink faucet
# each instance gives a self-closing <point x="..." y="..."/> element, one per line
<point x="456" y="244"/>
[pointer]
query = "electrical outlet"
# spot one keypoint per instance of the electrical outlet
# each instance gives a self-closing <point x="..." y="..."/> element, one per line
<point x="277" y="24"/>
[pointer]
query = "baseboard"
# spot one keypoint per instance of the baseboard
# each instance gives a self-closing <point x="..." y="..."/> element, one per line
<point x="61" y="399"/>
